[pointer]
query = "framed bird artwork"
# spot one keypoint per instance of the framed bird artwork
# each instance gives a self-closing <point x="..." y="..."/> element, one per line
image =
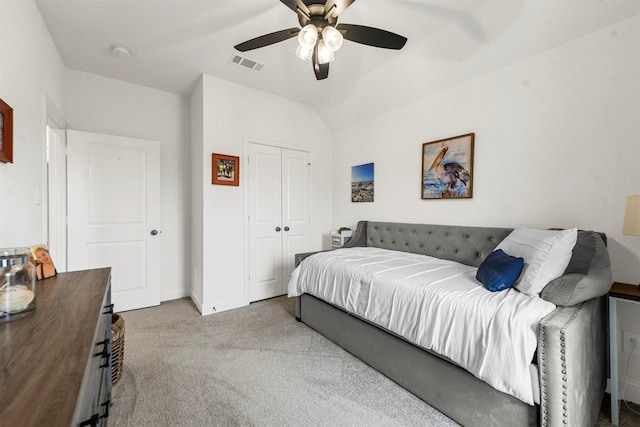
<point x="447" y="168"/>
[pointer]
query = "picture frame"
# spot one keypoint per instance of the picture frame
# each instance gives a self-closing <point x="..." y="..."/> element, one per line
<point x="362" y="183"/>
<point x="447" y="168"/>
<point x="6" y="132"/>
<point x="225" y="169"/>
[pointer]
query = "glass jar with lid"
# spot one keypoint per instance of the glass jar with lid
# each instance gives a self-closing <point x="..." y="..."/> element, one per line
<point x="17" y="284"/>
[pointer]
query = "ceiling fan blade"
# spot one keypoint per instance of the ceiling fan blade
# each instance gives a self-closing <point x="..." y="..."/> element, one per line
<point x="267" y="39"/>
<point x="372" y="36"/>
<point x="296" y="5"/>
<point x="339" y="5"/>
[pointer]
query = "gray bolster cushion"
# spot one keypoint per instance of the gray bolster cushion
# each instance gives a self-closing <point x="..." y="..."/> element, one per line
<point x="587" y="276"/>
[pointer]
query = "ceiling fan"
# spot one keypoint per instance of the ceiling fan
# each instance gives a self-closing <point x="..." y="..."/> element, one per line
<point x="320" y="34"/>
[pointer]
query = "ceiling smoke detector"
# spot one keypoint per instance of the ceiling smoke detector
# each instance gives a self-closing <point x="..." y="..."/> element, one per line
<point x="119" y="50"/>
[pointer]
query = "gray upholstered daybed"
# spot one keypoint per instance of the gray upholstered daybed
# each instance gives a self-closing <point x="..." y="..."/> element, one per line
<point x="571" y="355"/>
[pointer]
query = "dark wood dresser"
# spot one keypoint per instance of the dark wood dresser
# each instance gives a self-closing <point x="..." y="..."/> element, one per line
<point x="55" y="363"/>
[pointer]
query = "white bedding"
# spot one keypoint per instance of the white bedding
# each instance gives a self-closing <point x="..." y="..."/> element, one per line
<point x="435" y="303"/>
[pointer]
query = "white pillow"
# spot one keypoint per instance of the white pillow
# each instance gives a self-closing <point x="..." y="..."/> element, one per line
<point x="546" y="255"/>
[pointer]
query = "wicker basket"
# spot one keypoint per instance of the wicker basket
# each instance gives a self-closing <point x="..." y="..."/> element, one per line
<point x="117" y="347"/>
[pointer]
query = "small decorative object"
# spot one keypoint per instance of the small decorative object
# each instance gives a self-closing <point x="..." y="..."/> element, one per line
<point x="17" y="284"/>
<point x="6" y="133"/>
<point x="362" y="183"/>
<point x="447" y="168"/>
<point x="43" y="262"/>
<point x="225" y="169"/>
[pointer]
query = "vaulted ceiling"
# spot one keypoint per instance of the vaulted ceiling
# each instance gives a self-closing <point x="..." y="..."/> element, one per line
<point x="449" y="41"/>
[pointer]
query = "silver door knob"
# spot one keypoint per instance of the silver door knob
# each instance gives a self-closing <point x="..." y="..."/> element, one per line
<point x="278" y="228"/>
<point x="286" y="228"/>
<point x="154" y="232"/>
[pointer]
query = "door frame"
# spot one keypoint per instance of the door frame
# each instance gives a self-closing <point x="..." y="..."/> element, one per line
<point x="245" y="211"/>
<point x="55" y="175"/>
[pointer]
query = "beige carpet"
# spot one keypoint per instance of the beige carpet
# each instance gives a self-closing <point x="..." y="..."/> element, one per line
<point x="255" y="366"/>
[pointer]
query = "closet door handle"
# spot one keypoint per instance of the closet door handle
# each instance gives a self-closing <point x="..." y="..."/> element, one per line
<point x="286" y="228"/>
<point x="278" y="228"/>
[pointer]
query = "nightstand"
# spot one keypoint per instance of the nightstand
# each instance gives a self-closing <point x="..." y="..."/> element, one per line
<point x="339" y="239"/>
<point x="618" y="292"/>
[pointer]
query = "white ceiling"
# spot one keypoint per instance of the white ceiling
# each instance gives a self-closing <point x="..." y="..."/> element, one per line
<point x="173" y="42"/>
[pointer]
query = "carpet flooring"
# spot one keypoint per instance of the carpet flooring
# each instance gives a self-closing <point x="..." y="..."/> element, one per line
<point x="256" y="366"/>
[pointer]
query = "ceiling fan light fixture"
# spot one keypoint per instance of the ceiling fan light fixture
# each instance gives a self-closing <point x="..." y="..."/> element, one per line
<point x="325" y="55"/>
<point x="304" y="53"/>
<point x="332" y="38"/>
<point x="308" y="36"/>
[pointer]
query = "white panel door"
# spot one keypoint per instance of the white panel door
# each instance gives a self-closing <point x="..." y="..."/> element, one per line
<point x="265" y="222"/>
<point x="295" y="208"/>
<point x="113" y="188"/>
<point x="278" y="216"/>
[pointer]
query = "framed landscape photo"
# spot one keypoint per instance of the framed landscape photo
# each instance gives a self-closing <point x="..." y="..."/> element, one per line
<point x="362" y="184"/>
<point x="447" y="168"/>
<point x="6" y="133"/>
<point x="225" y="170"/>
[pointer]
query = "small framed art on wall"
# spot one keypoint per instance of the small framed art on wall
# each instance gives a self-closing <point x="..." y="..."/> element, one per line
<point x="225" y="170"/>
<point x="6" y="133"/>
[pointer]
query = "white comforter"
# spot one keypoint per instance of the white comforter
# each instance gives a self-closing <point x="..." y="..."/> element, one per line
<point x="436" y="304"/>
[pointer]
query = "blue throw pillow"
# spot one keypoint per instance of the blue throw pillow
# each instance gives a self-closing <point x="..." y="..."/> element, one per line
<point x="499" y="271"/>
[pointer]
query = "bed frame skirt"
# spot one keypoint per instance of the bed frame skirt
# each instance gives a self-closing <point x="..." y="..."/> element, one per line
<point x="425" y="374"/>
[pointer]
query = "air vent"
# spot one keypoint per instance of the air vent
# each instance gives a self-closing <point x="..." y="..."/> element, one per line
<point x="245" y="62"/>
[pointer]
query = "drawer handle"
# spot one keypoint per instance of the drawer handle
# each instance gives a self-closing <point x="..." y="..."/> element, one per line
<point x="107" y="361"/>
<point x="109" y="309"/>
<point x="106" y="409"/>
<point x="93" y="421"/>
<point x="105" y="349"/>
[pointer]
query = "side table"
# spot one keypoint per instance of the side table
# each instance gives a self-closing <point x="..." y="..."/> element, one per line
<point x="621" y="292"/>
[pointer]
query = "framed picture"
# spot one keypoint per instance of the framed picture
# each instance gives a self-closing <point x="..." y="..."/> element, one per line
<point x="6" y="133"/>
<point x="447" y="168"/>
<point x="362" y="183"/>
<point x="225" y="170"/>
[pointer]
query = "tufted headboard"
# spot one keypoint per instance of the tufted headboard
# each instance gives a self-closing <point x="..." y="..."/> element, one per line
<point x="466" y="245"/>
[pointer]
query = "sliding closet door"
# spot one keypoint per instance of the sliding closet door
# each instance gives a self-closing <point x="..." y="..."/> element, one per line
<point x="278" y="216"/>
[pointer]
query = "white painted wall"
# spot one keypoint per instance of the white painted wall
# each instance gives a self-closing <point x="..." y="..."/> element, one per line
<point x="104" y="105"/>
<point x="30" y="71"/>
<point x="231" y="114"/>
<point x="198" y="181"/>
<point x="557" y="145"/>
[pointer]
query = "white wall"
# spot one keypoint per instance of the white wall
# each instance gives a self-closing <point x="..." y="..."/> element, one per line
<point x="30" y="71"/>
<point x="197" y="188"/>
<point x="104" y="105"/>
<point x="231" y="114"/>
<point x="557" y="145"/>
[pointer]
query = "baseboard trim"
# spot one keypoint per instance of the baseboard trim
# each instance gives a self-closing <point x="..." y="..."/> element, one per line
<point x="174" y="294"/>
<point x="213" y="307"/>
<point x="630" y="387"/>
